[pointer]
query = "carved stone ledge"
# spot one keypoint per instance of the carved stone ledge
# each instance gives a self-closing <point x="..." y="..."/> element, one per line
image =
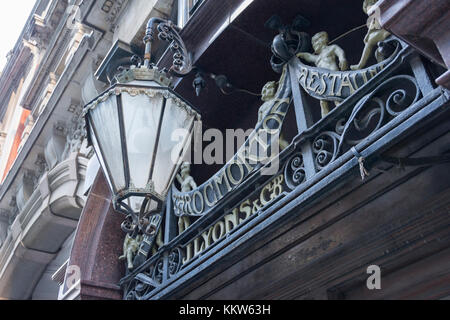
<point x="46" y="220"/>
<point x="56" y="145"/>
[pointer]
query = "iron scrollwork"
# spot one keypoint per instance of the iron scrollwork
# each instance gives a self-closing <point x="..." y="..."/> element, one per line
<point x="144" y="282"/>
<point x="182" y="61"/>
<point x="168" y="31"/>
<point x="175" y="261"/>
<point x="324" y="148"/>
<point x="295" y="173"/>
<point x="374" y="110"/>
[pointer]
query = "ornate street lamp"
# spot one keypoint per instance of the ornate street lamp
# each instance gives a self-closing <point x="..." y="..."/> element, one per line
<point x="131" y="127"/>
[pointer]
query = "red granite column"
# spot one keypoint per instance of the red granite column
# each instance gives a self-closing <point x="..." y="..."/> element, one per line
<point x="97" y="246"/>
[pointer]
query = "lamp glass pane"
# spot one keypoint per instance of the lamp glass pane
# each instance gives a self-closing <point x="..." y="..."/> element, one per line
<point x="105" y="121"/>
<point x="141" y="117"/>
<point x="175" y="132"/>
<point x="136" y="203"/>
<point x="100" y="158"/>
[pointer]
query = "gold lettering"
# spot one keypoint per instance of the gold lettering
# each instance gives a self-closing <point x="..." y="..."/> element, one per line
<point x="277" y="188"/>
<point x="333" y="77"/>
<point x="272" y="130"/>
<point x="303" y="76"/>
<point x="263" y="199"/>
<point x="199" y="246"/>
<point x="220" y="226"/>
<point x="373" y="72"/>
<point x="219" y="180"/>
<point x="324" y="84"/>
<point x="311" y="81"/>
<point x="231" y="221"/>
<point x="230" y="174"/>
<point x="353" y="76"/>
<point x="209" y="202"/>
<point x="345" y="83"/>
<point x="188" y="207"/>
<point x="262" y="138"/>
<point x="188" y="255"/>
<point x="198" y="195"/>
<point x="207" y="237"/>
<point x="256" y="206"/>
<point x="245" y="208"/>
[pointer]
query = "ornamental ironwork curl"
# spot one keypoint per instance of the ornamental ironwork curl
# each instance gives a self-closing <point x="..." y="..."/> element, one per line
<point x="144" y="282"/>
<point x="175" y="261"/>
<point x="130" y="291"/>
<point x="294" y="171"/>
<point x="182" y="61"/>
<point x="129" y="224"/>
<point x="372" y="112"/>
<point x="158" y="271"/>
<point x="324" y="148"/>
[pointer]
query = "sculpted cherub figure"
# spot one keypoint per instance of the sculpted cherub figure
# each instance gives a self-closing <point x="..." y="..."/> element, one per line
<point x="267" y="94"/>
<point x="187" y="184"/>
<point x="326" y="57"/>
<point x="130" y="247"/>
<point x="374" y="35"/>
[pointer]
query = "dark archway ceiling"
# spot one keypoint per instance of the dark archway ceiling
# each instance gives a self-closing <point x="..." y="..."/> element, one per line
<point x="242" y="53"/>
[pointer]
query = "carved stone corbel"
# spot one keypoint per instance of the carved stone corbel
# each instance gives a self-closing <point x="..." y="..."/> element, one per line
<point x="55" y="147"/>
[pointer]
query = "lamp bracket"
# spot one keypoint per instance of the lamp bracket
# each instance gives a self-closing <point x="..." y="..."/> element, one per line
<point x="168" y="32"/>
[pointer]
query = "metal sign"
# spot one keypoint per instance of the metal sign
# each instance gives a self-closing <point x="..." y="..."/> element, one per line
<point x="256" y="151"/>
<point x="334" y="85"/>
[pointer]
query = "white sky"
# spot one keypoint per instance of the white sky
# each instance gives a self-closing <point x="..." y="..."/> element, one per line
<point x="13" y="15"/>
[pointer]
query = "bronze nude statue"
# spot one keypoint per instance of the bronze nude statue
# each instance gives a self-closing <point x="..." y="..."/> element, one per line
<point x="187" y="184"/>
<point x="375" y="34"/>
<point x="326" y="57"/>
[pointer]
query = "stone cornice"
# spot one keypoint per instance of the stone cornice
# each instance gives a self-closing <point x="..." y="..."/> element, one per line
<point x="16" y="52"/>
<point x="54" y="51"/>
<point x="13" y="72"/>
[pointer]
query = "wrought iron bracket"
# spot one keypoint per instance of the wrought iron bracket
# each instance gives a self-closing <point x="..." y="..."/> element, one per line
<point x="168" y="31"/>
